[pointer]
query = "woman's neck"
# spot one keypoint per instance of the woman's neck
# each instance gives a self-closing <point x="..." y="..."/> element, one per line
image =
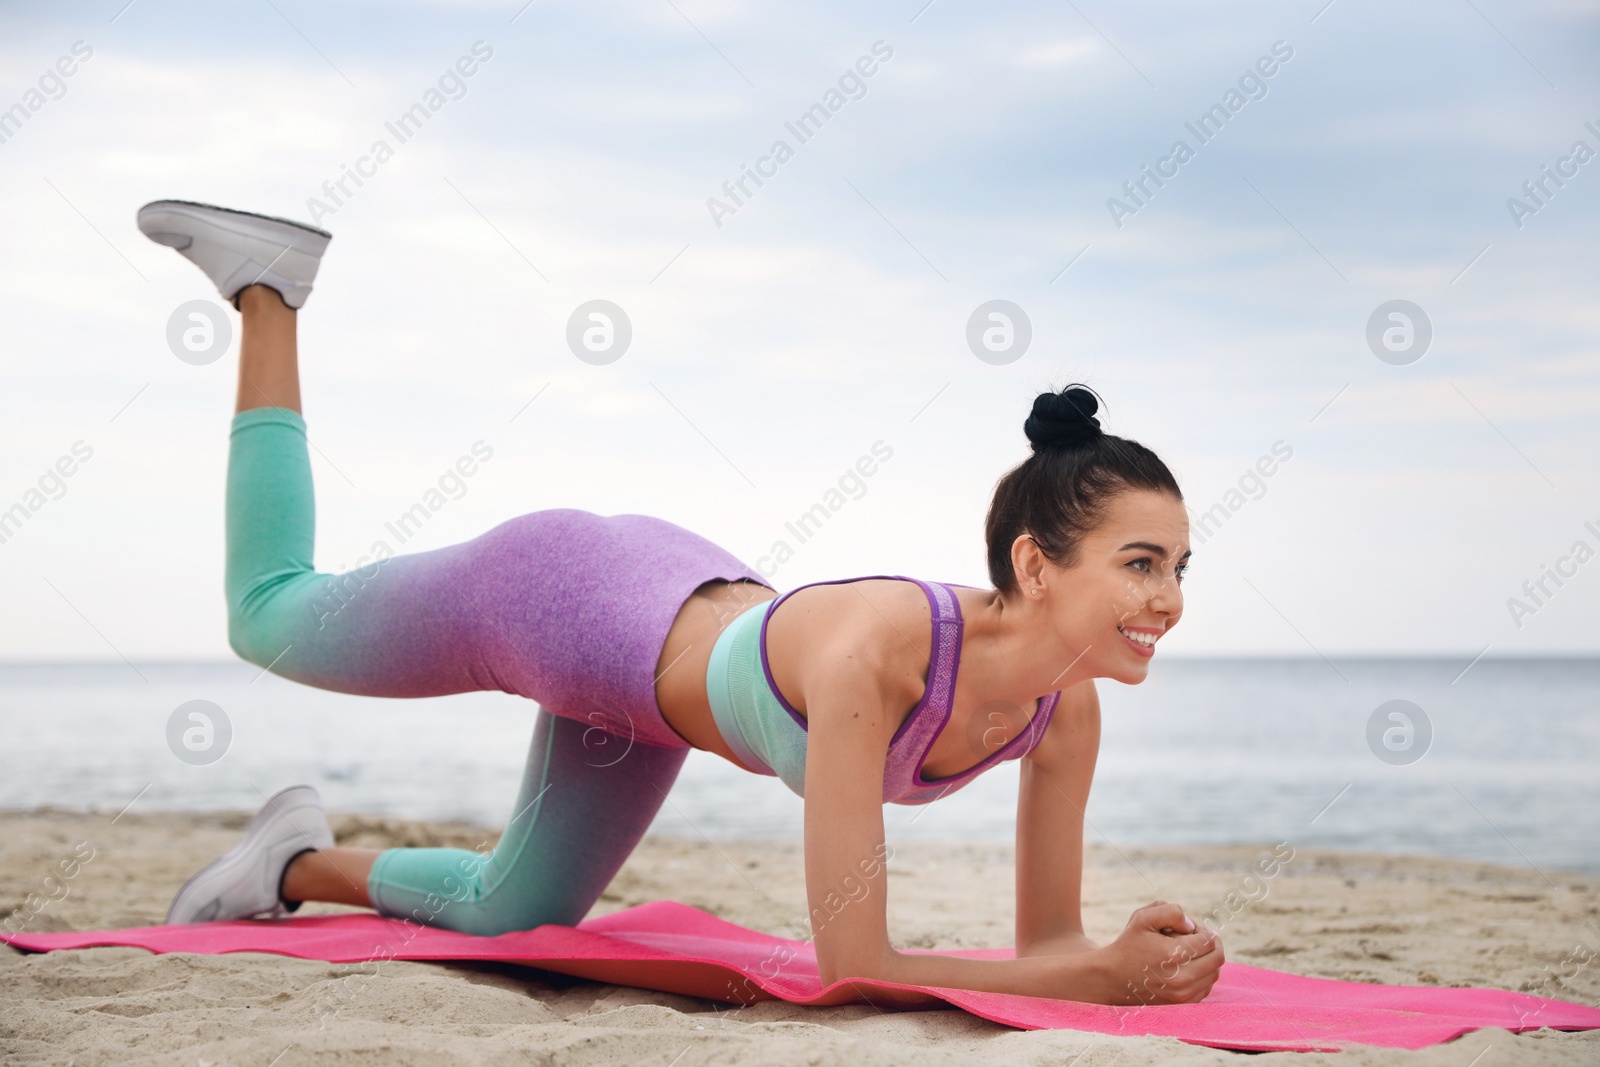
<point x="1010" y="652"/>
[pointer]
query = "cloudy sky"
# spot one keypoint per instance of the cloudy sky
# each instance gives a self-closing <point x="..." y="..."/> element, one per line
<point x="775" y="340"/>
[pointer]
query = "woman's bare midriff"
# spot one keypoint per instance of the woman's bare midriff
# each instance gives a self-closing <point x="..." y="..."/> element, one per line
<point x="681" y="671"/>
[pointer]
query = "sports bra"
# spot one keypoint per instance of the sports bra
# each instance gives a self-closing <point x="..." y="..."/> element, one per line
<point x="769" y="735"/>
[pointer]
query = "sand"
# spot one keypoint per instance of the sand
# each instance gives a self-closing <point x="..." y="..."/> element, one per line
<point x="1336" y="915"/>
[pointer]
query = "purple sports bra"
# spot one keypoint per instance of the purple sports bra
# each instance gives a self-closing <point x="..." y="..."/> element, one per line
<point x="903" y="782"/>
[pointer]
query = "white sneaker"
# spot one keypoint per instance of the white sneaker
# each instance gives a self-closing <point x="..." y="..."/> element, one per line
<point x="238" y="248"/>
<point x="244" y="881"/>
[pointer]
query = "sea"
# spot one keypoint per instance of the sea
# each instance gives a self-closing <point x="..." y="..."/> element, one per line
<point x="1494" y="759"/>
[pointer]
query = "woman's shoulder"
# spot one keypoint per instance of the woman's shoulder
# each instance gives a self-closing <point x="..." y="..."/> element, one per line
<point x="876" y="619"/>
<point x="878" y="625"/>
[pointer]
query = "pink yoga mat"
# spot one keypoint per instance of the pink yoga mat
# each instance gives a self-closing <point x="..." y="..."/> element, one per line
<point x="678" y="949"/>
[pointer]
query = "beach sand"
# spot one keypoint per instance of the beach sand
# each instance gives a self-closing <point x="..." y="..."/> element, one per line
<point x="1360" y="917"/>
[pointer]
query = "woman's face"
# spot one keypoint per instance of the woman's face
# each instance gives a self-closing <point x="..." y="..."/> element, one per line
<point x="1112" y="607"/>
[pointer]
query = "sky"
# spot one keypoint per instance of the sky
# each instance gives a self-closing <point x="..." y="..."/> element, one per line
<point x="1370" y="153"/>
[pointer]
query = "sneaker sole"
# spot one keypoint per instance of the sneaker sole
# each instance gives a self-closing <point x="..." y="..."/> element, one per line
<point x="186" y="209"/>
<point x="161" y="220"/>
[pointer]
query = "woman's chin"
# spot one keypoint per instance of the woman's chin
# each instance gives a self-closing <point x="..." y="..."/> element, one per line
<point x="1131" y="672"/>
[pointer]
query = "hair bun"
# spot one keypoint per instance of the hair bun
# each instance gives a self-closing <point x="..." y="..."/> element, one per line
<point x="1063" y="420"/>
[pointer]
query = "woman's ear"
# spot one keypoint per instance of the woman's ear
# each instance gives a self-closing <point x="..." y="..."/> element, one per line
<point x="1027" y="564"/>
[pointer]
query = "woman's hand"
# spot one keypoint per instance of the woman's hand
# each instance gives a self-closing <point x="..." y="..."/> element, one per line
<point x="1161" y="957"/>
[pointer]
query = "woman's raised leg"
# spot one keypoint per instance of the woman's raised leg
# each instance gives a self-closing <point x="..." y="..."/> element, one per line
<point x="560" y="606"/>
<point x="403" y="625"/>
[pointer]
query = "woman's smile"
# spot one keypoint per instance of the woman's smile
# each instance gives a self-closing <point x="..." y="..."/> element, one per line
<point x="1142" y="639"/>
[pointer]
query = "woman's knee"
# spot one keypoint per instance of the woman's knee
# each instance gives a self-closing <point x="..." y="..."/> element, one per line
<point x="490" y="918"/>
<point x="255" y="633"/>
<point x="452" y="890"/>
<point x="268" y="616"/>
<point x="245" y="638"/>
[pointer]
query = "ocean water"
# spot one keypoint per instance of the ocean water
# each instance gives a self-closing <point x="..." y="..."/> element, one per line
<point x="1205" y="751"/>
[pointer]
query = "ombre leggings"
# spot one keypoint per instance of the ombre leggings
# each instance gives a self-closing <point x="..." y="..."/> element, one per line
<point x="564" y="607"/>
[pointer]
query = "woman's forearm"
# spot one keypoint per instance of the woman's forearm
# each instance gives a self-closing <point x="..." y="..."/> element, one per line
<point x="1085" y="976"/>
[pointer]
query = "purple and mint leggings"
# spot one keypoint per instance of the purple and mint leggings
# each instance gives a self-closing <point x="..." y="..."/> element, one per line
<point x="564" y="607"/>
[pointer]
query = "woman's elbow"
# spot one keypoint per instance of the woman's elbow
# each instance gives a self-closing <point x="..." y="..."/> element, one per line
<point x="839" y="959"/>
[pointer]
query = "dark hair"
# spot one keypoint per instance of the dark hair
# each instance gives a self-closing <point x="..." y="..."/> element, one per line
<point x="1061" y="492"/>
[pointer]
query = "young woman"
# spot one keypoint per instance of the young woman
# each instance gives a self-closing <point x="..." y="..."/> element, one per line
<point x="640" y="640"/>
